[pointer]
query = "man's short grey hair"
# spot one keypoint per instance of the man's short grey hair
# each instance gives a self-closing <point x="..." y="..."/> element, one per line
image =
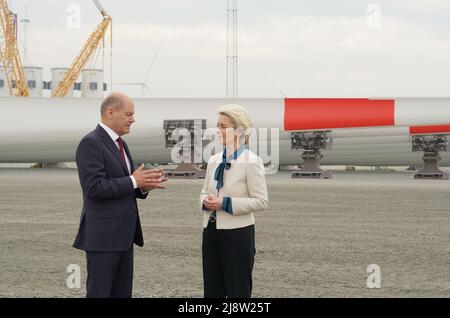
<point x="113" y="100"/>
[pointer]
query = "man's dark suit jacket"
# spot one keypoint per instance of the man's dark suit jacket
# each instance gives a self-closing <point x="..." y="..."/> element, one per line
<point x="110" y="217"/>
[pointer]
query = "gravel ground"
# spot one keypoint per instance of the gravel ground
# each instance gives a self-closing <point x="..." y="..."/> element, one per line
<point x="316" y="239"/>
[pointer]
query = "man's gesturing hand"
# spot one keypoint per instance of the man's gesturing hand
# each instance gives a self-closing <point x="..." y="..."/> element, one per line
<point x="149" y="179"/>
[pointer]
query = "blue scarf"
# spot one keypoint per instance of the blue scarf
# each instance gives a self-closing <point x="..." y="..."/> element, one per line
<point x="225" y="164"/>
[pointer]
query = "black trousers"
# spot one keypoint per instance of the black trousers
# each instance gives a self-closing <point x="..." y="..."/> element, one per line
<point x="110" y="274"/>
<point x="228" y="258"/>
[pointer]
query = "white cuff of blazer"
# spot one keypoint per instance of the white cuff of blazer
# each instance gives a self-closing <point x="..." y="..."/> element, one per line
<point x="135" y="185"/>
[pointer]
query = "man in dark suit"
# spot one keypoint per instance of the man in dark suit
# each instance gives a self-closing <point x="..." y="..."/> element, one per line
<point x="110" y="184"/>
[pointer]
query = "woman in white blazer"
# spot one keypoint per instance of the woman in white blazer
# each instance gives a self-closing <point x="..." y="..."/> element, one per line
<point x="233" y="189"/>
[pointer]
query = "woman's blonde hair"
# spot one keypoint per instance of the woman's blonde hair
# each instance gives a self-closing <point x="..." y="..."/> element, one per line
<point x="240" y="118"/>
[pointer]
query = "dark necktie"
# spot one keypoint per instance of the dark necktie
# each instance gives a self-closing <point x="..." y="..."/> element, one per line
<point x="122" y="151"/>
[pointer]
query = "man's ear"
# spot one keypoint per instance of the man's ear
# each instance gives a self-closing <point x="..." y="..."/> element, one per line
<point x="109" y="112"/>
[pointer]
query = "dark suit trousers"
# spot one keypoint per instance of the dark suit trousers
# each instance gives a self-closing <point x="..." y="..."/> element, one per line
<point x="110" y="274"/>
<point x="228" y="258"/>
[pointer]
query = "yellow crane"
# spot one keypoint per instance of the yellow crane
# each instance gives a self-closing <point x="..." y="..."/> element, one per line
<point x="9" y="54"/>
<point x="86" y="53"/>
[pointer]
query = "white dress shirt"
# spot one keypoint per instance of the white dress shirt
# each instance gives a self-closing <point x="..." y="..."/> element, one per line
<point x="114" y="137"/>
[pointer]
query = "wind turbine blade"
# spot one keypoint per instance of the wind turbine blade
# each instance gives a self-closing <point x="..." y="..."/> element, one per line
<point x="275" y="85"/>
<point x="153" y="62"/>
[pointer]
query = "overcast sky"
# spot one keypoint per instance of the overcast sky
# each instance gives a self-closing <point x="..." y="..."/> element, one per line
<point x="327" y="48"/>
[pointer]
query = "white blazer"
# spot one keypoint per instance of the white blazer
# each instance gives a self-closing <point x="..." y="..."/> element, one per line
<point x="244" y="182"/>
